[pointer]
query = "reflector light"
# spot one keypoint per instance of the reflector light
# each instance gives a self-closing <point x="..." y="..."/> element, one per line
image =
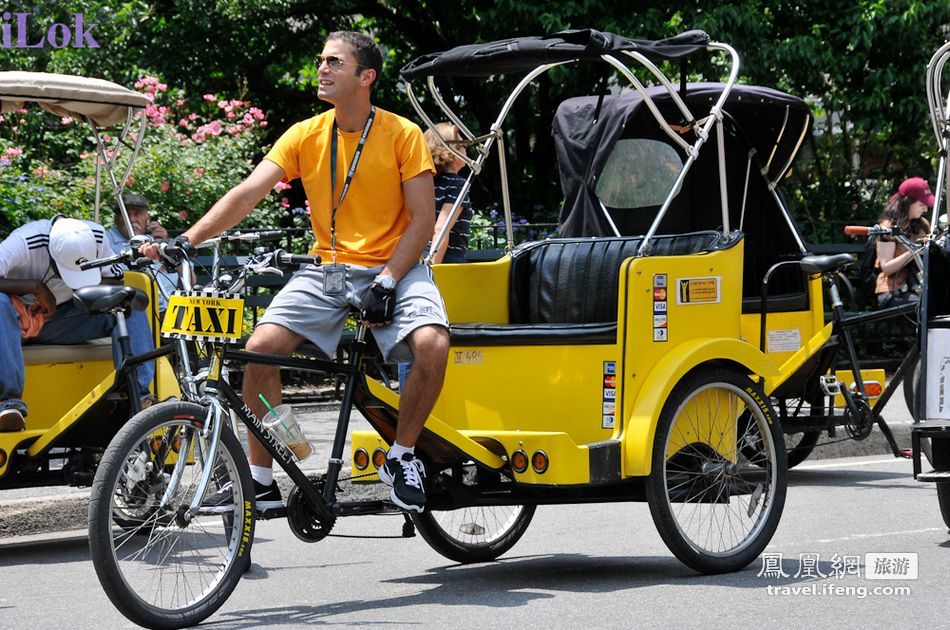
<point x="379" y="458"/>
<point x="361" y="459"/>
<point x="539" y="461"/>
<point x="519" y="461"/>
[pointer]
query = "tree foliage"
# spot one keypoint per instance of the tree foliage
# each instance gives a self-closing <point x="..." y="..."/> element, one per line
<point x="860" y="63"/>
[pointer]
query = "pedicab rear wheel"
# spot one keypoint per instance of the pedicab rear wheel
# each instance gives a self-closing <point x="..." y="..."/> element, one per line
<point x="474" y="534"/>
<point x="160" y="567"/>
<point x="718" y="478"/>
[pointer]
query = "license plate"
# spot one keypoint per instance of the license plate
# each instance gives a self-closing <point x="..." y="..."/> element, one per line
<point x="204" y="317"/>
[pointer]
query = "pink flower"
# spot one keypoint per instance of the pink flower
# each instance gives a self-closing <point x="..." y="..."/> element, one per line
<point x="230" y="114"/>
<point x="2" y="119"/>
<point x="21" y="110"/>
<point x="13" y="152"/>
<point x="183" y="215"/>
<point x="199" y="172"/>
<point x="281" y="186"/>
<point x="165" y="186"/>
<point x="182" y="123"/>
<point x="192" y="116"/>
<point x="66" y="120"/>
<point x="256" y="113"/>
<point x="263" y="123"/>
<point x="180" y="102"/>
<point x="40" y="171"/>
<point x="248" y="119"/>
<point x="284" y="202"/>
<point x="222" y="104"/>
<point x="209" y="97"/>
<point x="83" y="155"/>
<point x="198" y="137"/>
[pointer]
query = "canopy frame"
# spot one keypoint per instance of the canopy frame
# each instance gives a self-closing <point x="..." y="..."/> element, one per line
<point x="701" y="127"/>
<point x="101" y="105"/>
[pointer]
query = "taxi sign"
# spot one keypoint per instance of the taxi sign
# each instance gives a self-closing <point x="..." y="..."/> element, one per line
<point x="204" y="316"/>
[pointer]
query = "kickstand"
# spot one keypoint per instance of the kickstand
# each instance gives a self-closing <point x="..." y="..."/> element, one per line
<point x="408" y="529"/>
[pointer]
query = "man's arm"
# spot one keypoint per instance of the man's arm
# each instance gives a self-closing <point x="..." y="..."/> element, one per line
<point x="419" y="193"/>
<point x="236" y="204"/>
<point x="30" y="287"/>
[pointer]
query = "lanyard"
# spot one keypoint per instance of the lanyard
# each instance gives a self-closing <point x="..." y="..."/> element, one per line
<point x="349" y="175"/>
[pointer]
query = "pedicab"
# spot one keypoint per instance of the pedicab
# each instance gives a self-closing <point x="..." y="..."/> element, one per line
<point x="77" y="398"/>
<point x="616" y="366"/>
<point x="931" y="409"/>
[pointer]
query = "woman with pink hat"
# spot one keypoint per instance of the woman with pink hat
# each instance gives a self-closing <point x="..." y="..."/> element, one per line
<point x="905" y="210"/>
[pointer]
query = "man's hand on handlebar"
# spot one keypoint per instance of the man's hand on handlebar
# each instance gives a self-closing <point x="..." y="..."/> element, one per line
<point x="169" y="251"/>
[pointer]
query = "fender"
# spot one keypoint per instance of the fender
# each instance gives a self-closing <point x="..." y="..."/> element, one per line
<point x="640" y="425"/>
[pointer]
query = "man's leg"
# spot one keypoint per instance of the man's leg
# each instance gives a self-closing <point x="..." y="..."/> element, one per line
<point x="265" y="380"/>
<point x="141" y="341"/>
<point x="430" y="350"/>
<point x="12" y="369"/>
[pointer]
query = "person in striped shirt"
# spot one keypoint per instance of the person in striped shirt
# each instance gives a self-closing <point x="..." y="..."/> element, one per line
<point x="448" y="188"/>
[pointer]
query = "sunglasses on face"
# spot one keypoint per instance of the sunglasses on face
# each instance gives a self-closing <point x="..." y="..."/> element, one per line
<point x="334" y="63"/>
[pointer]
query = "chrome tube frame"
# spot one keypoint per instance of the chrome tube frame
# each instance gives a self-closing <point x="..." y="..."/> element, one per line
<point x="715" y="116"/>
<point x="701" y="127"/>
<point x="938" y="102"/>
<point x="110" y="162"/>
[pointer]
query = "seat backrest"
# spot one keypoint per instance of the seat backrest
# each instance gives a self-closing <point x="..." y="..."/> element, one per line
<point x="575" y="280"/>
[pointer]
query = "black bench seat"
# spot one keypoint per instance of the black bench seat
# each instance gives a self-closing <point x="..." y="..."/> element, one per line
<point x="564" y="291"/>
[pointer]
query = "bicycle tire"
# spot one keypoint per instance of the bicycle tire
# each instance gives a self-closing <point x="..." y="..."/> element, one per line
<point x="474" y="534"/>
<point x="188" y="566"/>
<point x="694" y="482"/>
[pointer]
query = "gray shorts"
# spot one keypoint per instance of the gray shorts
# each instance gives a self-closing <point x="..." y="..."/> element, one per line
<point x="302" y="307"/>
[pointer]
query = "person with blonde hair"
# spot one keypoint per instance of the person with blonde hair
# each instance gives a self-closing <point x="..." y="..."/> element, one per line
<point x="448" y="188"/>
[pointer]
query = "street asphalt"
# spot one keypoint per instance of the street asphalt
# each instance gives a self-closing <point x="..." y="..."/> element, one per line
<point x="29" y="512"/>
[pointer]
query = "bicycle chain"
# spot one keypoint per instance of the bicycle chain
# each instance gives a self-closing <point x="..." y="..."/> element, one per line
<point x="310" y="527"/>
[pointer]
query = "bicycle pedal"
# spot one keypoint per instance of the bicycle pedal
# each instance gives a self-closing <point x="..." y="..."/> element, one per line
<point x="830" y="385"/>
<point x="266" y="515"/>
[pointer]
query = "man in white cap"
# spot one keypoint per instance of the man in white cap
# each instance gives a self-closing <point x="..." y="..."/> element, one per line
<point x="39" y="268"/>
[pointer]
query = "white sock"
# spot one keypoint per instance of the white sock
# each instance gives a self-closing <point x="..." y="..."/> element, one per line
<point x="398" y="450"/>
<point x="263" y="475"/>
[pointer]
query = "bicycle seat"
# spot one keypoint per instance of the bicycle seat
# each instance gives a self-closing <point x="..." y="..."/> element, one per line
<point x="104" y="298"/>
<point x="822" y="264"/>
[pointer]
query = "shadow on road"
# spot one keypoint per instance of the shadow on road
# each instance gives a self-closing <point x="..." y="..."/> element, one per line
<point x="510" y="583"/>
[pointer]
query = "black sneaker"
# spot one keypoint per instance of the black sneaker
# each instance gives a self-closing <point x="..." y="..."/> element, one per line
<point x="219" y="502"/>
<point x="406" y="478"/>
<point x="267" y="497"/>
<point x="11" y="420"/>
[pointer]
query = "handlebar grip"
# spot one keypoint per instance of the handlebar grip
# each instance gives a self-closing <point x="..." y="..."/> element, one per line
<point x="283" y="258"/>
<point x="121" y="257"/>
<point x="271" y="235"/>
<point x="857" y="230"/>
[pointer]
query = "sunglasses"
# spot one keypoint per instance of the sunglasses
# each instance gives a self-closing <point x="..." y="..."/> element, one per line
<point x="334" y="63"/>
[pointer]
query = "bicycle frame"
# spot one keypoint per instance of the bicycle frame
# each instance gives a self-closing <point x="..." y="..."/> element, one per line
<point x="221" y="398"/>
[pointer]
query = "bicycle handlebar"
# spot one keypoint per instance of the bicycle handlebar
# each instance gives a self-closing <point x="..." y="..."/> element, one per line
<point x="857" y="230"/>
<point x="283" y="258"/>
<point x="121" y="257"/>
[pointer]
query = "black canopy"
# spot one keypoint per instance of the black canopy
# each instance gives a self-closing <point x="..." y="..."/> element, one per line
<point x="760" y="118"/>
<point x="523" y="54"/>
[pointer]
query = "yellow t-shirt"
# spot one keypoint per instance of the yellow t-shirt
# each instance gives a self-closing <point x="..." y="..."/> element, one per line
<point x="373" y="216"/>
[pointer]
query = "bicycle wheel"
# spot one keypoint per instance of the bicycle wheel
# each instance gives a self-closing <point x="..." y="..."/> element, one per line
<point x="798" y="446"/>
<point x="474" y="534"/>
<point x="717" y="484"/>
<point x="159" y="566"/>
